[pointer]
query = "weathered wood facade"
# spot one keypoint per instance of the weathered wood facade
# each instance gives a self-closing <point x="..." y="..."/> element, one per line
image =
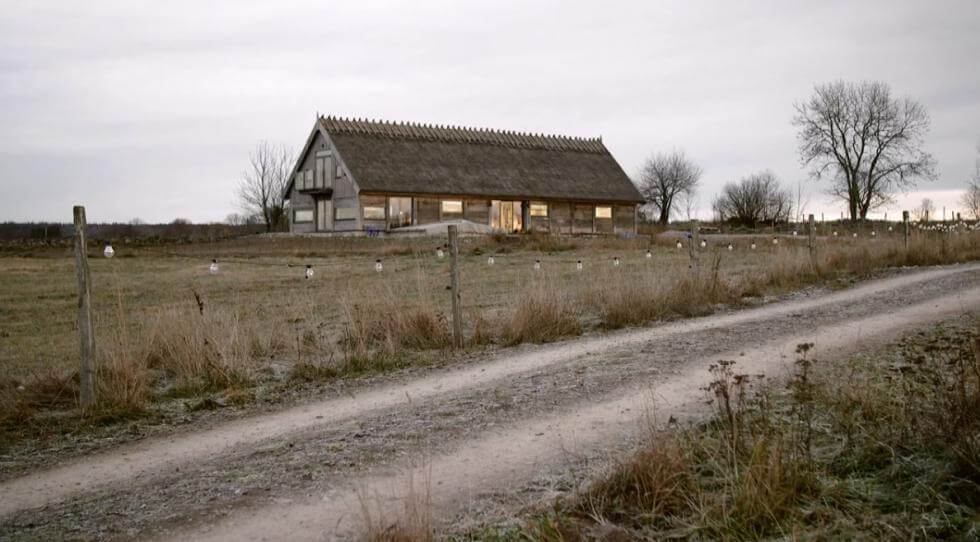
<point x="377" y="176"/>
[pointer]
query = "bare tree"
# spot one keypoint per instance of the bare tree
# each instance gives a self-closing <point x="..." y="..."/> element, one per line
<point x="754" y="199"/>
<point x="802" y="194"/>
<point x="690" y="202"/>
<point x="925" y="208"/>
<point x="665" y="179"/>
<point x="866" y="141"/>
<point x="262" y="188"/>
<point x="971" y="198"/>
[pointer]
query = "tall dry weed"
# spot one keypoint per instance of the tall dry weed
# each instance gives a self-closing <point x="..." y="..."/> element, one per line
<point x="545" y="312"/>
<point x="212" y="351"/>
<point x="390" y="327"/>
<point x="411" y="522"/>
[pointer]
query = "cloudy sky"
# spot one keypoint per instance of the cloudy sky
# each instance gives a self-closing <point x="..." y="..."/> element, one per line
<point x="150" y="109"/>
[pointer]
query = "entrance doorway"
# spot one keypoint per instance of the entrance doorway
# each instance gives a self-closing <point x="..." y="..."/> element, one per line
<point x="505" y="215"/>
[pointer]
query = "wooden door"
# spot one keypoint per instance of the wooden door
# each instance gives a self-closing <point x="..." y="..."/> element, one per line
<point x="324" y="215"/>
<point x="506" y="216"/>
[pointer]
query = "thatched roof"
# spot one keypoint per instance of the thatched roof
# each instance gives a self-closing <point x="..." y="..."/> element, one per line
<point x="423" y="159"/>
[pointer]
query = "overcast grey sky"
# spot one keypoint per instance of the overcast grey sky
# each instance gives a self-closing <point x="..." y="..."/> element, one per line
<point x="150" y="109"/>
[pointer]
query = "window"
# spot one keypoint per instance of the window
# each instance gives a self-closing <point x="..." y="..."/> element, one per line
<point x="603" y="212"/>
<point x="304" y="179"/>
<point x="374" y="212"/>
<point x="399" y="212"/>
<point x="344" y="213"/>
<point x="302" y="216"/>
<point x="539" y="209"/>
<point x="373" y="207"/>
<point x="452" y="207"/>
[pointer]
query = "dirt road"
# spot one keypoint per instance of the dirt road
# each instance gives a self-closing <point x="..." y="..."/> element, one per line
<point x="482" y="432"/>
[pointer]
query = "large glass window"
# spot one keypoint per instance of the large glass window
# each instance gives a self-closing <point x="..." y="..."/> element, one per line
<point x="373" y="207"/>
<point x="399" y="212"/>
<point x="452" y="207"/>
<point x="539" y="209"/>
<point x="603" y="212"/>
<point x="505" y="215"/>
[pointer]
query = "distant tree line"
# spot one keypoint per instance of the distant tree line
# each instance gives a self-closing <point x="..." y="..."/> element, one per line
<point x="139" y="231"/>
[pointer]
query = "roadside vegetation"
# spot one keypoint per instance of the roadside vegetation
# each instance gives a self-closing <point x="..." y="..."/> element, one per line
<point x="884" y="446"/>
<point x="173" y="339"/>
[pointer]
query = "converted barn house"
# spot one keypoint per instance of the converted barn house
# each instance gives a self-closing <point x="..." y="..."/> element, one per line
<point x="355" y="175"/>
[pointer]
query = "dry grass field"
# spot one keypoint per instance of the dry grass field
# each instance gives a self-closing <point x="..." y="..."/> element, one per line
<point x="167" y="328"/>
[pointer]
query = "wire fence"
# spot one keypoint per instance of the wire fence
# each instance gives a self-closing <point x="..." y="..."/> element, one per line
<point x="791" y="237"/>
<point x="326" y="287"/>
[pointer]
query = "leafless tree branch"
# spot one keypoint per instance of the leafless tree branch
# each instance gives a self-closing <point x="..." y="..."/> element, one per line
<point x="757" y="198"/>
<point x="971" y="198"/>
<point x="866" y="141"/>
<point x="261" y="191"/>
<point x="666" y="179"/>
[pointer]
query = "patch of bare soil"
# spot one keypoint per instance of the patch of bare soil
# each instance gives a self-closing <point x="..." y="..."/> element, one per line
<point x="480" y="430"/>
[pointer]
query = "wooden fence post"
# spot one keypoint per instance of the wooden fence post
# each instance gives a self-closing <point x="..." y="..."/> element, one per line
<point x="86" y="330"/>
<point x="454" y="286"/>
<point x="905" y="228"/>
<point x="813" y="242"/>
<point x="695" y="245"/>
